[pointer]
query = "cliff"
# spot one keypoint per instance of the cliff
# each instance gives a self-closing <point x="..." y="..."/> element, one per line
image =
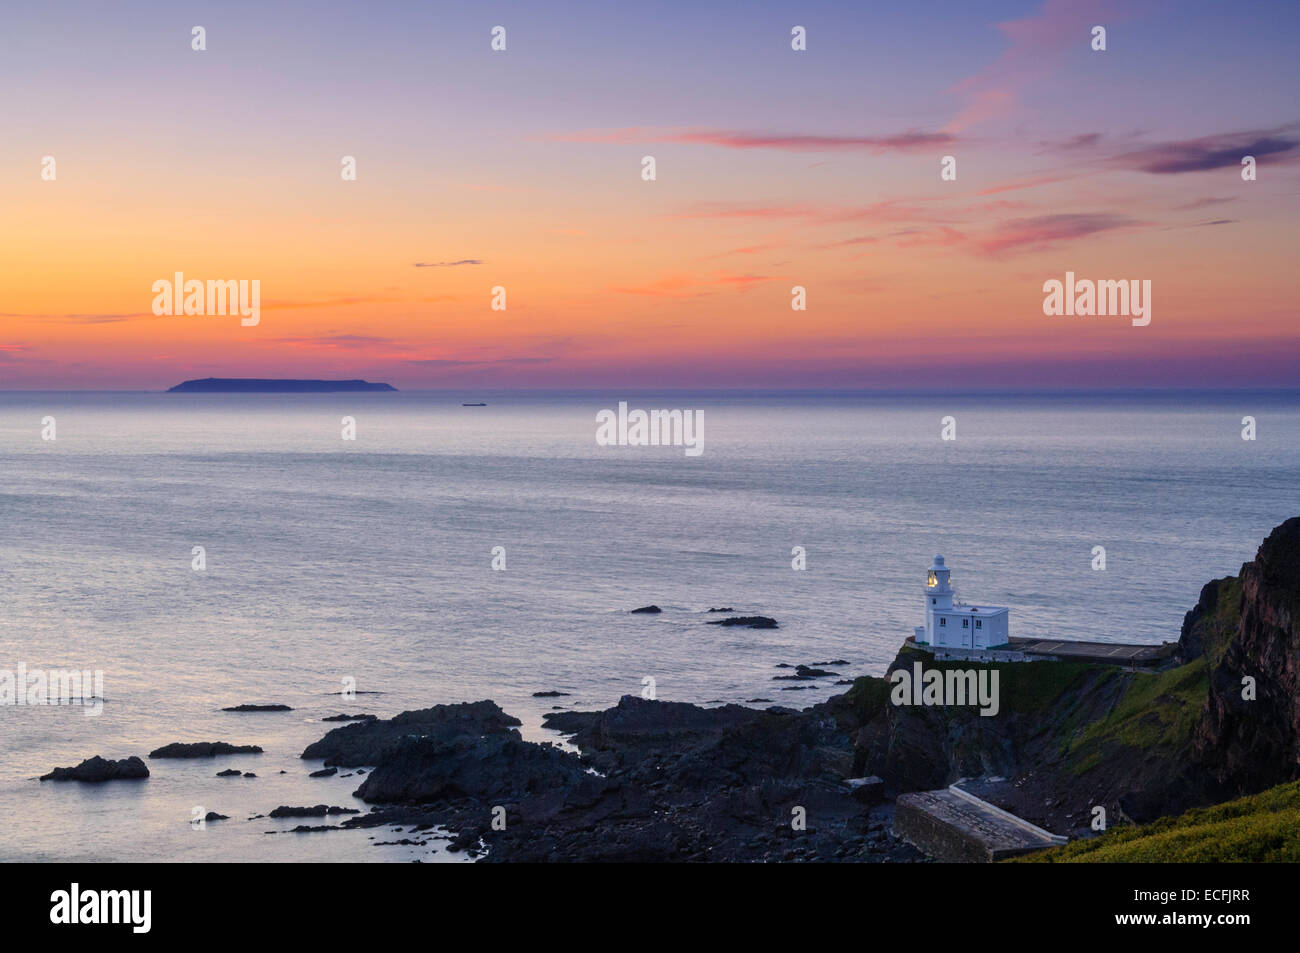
<point x="1072" y="736"/>
<point x="1248" y="628"/>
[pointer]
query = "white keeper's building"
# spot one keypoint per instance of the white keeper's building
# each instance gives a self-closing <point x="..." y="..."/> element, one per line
<point x="957" y="625"/>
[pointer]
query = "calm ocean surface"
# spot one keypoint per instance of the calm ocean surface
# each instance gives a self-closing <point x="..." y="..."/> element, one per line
<point x="371" y="560"/>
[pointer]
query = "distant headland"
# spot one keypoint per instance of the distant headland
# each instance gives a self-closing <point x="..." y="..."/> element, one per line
<point x="255" y="385"/>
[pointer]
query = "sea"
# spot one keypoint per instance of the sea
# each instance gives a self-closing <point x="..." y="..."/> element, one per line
<point x="451" y="553"/>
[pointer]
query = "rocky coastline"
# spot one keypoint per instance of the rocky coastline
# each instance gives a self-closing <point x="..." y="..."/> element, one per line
<point x="651" y="780"/>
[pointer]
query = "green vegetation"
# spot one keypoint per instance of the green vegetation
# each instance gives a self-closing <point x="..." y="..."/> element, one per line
<point x="1156" y="710"/>
<point x="868" y="696"/>
<point x="1088" y="715"/>
<point x="1262" y="828"/>
<point x="1216" y="630"/>
<point x="1024" y="687"/>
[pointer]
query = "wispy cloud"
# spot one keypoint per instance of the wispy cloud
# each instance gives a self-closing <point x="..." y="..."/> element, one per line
<point x="1034" y="45"/>
<point x="888" y="210"/>
<point x="344" y="301"/>
<point x="331" y="341"/>
<point x="1206" y="202"/>
<point x="449" y="362"/>
<point x="943" y="236"/>
<point x="1043" y="230"/>
<point x="92" y="318"/>
<point x="1019" y="184"/>
<point x="448" y="264"/>
<point x="691" y="286"/>
<point x="907" y="141"/>
<point x="1210" y="152"/>
<point x="748" y="250"/>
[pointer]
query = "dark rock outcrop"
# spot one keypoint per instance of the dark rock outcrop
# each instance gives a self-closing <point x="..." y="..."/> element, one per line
<point x="803" y="672"/>
<point x="371" y="742"/>
<point x="258" y="708"/>
<point x="350" y="718"/>
<point x="677" y="782"/>
<point x="320" y="810"/>
<point x="647" y="610"/>
<point x="492" y="767"/>
<point x="202" y="749"/>
<point x="96" y="770"/>
<point x="751" y="621"/>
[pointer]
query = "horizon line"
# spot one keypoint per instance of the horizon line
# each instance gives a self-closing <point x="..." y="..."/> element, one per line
<point x="782" y="391"/>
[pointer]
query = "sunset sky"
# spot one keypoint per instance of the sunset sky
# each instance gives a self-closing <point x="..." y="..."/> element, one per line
<point x="775" y="168"/>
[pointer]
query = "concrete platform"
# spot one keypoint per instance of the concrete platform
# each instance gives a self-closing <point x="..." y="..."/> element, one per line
<point x="1121" y="653"/>
<point x="955" y="826"/>
<point x="1043" y="650"/>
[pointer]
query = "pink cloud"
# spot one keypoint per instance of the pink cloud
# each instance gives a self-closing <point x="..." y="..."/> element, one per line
<point x="1043" y="230"/>
<point x="690" y="286"/>
<point x="1034" y="47"/>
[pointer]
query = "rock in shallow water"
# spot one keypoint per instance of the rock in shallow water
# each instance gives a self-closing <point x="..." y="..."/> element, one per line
<point x="751" y="621"/>
<point x="319" y="810"/>
<point x="370" y="742"/>
<point x="202" y="749"/>
<point x="97" y="770"/>
<point x="258" y="708"/>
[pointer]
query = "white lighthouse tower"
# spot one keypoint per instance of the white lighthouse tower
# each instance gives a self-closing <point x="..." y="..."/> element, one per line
<point x="949" y="624"/>
<point x="938" y="595"/>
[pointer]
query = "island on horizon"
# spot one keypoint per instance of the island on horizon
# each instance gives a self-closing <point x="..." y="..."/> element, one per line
<point x="257" y="385"/>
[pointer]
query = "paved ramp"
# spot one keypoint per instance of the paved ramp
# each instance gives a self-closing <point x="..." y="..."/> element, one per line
<point x="956" y="826"/>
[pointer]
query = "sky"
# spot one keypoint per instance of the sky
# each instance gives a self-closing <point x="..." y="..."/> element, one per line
<point x="775" y="168"/>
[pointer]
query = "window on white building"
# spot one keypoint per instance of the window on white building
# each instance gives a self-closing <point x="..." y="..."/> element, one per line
<point x="979" y="623"/>
<point x="965" y="623"/>
<point x="943" y="621"/>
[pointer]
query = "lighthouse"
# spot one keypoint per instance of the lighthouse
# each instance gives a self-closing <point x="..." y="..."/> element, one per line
<point x="952" y="624"/>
